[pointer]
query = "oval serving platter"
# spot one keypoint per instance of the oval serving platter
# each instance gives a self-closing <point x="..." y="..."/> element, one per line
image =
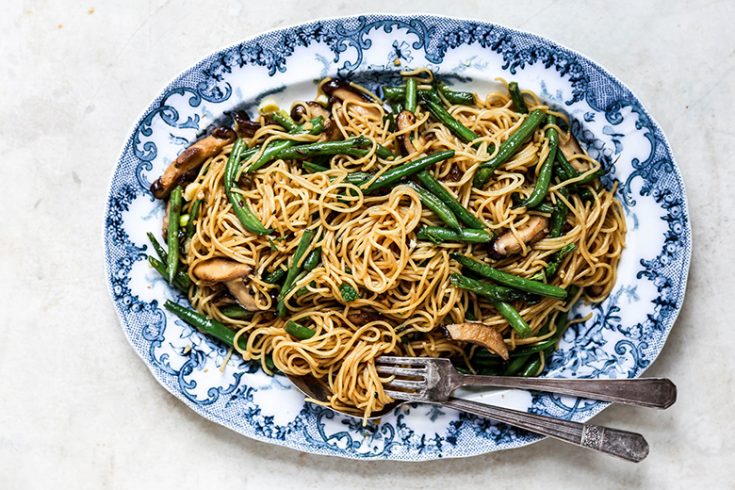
<point x="620" y="340"/>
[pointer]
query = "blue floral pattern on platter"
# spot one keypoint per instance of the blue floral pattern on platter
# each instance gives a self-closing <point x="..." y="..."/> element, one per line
<point x="622" y="338"/>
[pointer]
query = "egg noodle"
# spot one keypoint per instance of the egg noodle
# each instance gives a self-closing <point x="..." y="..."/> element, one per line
<point x="369" y="243"/>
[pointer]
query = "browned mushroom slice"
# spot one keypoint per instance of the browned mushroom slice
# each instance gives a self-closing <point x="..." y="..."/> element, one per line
<point x="232" y="274"/>
<point x="190" y="159"/>
<point x="346" y="93"/>
<point x="479" y="333"/>
<point x="244" y="127"/>
<point x="455" y="173"/>
<point x="361" y="317"/>
<point x="404" y="121"/>
<point x="239" y="290"/>
<point x="532" y="231"/>
<point x="570" y="148"/>
<point x="220" y="270"/>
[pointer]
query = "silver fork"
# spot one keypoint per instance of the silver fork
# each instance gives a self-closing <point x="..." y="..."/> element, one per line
<point x="432" y="380"/>
<point x="435" y="379"/>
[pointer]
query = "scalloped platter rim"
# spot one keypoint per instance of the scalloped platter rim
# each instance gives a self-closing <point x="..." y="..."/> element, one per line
<point x="624" y="336"/>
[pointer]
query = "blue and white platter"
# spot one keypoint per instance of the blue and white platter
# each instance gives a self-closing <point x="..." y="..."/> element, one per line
<point x="623" y="337"/>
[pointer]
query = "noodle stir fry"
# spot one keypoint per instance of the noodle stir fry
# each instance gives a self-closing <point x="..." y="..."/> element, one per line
<point x="429" y="222"/>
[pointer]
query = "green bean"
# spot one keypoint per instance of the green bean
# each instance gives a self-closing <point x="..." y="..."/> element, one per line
<point x="566" y="169"/>
<point x="554" y="264"/>
<point x="273" y="150"/>
<point x="559" y="215"/>
<point x="517" y="98"/>
<point x="294" y="270"/>
<point x="303" y="290"/>
<point x="391" y="118"/>
<point x="285" y="121"/>
<point x="591" y="177"/>
<point x="431" y="96"/>
<point x="482" y="288"/>
<point x="275" y="277"/>
<point x="384" y="152"/>
<point x="396" y="109"/>
<point x="510" y="280"/>
<point x="349" y="294"/>
<point x="238" y="152"/>
<point x="268" y="359"/>
<point x="437" y="234"/>
<point x="444" y="194"/>
<point x="194" y="215"/>
<point x="410" y="94"/>
<point x="397" y="173"/>
<point x="247" y="218"/>
<point x="269" y="154"/>
<point x="515" y="365"/>
<point x="394" y="93"/>
<point x="456" y="97"/>
<point x="380" y="150"/>
<point x="358" y="178"/>
<point x="509" y="147"/>
<point x="236" y="312"/>
<point x="533" y="368"/>
<point x="160" y="251"/>
<point x="343" y="147"/>
<point x="439" y="208"/>
<point x="181" y="281"/>
<point x="443" y="116"/>
<point x="313" y="259"/>
<point x="514" y="318"/>
<point x="172" y="237"/>
<point x="313" y="168"/>
<point x="544" y="207"/>
<point x="299" y="331"/>
<point x="544" y="175"/>
<point x="317" y="126"/>
<point x="211" y="327"/>
<point x="453" y="96"/>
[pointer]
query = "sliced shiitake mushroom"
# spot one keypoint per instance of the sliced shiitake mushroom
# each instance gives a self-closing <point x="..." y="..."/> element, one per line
<point x="190" y="159"/>
<point x="219" y="269"/>
<point x="244" y="127"/>
<point x="404" y="121"/>
<point x="341" y="90"/>
<point x="481" y="334"/>
<point x="232" y="274"/>
<point x="530" y="232"/>
<point x="455" y="173"/>
<point x="362" y="317"/>
<point x="241" y="292"/>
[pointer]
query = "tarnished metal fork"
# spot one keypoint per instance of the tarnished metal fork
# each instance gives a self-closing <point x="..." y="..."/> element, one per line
<point x="432" y="380"/>
<point x="426" y="378"/>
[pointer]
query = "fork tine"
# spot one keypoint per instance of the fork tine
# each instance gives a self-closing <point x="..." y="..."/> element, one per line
<point x="406" y="384"/>
<point x="402" y="395"/>
<point x="399" y="371"/>
<point x="411" y="361"/>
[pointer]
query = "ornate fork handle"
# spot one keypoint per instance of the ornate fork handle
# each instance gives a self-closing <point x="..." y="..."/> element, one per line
<point x="623" y="444"/>
<point x="645" y="392"/>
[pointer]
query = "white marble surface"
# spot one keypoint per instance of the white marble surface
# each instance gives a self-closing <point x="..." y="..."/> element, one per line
<point x="80" y="410"/>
